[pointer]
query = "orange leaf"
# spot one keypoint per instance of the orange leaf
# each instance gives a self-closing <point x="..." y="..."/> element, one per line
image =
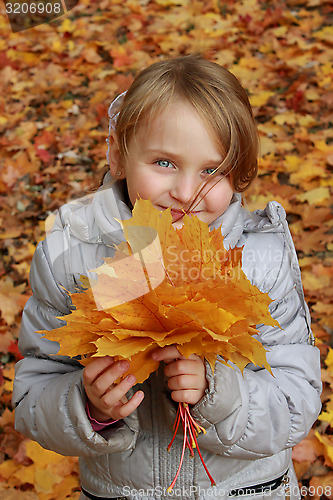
<point x="163" y="287"/>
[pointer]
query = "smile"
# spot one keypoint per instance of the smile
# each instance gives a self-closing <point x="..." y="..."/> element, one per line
<point x="179" y="213"/>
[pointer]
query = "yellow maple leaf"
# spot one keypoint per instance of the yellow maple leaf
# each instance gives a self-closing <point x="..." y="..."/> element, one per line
<point x="261" y="98"/>
<point x="167" y="286"/>
<point x="326" y="440"/>
<point x="315" y="196"/>
<point x="12" y="299"/>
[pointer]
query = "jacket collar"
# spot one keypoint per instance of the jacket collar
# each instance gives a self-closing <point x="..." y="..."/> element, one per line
<point x="232" y="222"/>
<point x="108" y="204"/>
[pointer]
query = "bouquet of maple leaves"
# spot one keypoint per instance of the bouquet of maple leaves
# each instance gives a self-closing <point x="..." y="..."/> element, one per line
<point x="167" y="286"/>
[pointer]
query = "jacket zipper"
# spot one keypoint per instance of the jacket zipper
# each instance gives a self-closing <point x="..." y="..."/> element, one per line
<point x="263" y="488"/>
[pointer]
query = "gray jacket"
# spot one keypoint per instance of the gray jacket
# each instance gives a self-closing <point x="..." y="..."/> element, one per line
<point x="252" y="421"/>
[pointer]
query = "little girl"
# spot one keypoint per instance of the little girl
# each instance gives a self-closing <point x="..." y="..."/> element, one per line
<point x="184" y="136"/>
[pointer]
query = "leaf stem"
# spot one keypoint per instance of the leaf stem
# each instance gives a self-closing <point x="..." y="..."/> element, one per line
<point x="212" y="482"/>
<point x="175" y="426"/>
<point x="185" y="425"/>
<point x="190" y="429"/>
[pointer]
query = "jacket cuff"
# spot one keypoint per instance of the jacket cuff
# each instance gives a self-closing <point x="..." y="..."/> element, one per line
<point x="222" y="397"/>
<point x="98" y="426"/>
<point x="120" y="437"/>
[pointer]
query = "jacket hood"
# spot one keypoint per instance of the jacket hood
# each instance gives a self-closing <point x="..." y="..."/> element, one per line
<point x="92" y="219"/>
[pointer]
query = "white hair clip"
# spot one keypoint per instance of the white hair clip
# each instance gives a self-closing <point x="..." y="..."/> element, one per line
<point x="113" y="115"/>
<point x="113" y="110"/>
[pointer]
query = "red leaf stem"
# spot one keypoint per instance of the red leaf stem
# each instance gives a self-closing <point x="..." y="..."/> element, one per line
<point x="190" y="429"/>
<point x="212" y="482"/>
<point x="175" y="426"/>
<point x="185" y="426"/>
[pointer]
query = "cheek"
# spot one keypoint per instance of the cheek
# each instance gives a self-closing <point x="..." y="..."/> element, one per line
<point x="219" y="198"/>
<point x="140" y="185"/>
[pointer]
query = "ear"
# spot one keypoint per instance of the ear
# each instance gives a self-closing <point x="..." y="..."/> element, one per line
<point x="113" y="157"/>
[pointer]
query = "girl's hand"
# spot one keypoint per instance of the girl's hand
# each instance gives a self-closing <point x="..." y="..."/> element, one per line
<point x="106" y="400"/>
<point x="186" y="376"/>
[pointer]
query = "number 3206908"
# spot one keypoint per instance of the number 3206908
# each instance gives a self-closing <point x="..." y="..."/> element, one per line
<point x="33" y="8"/>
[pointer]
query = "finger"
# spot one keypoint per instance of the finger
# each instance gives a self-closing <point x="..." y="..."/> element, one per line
<point x="167" y="354"/>
<point x="186" y="396"/>
<point x="183" y="366"/>
<point x="128" y="408"/>
<point x="107" y="378"/>
<point x="183" y="382"/>
<point x="93" y="370"/>
<point x="118" y="392"/>
<point x="195" y="357"/>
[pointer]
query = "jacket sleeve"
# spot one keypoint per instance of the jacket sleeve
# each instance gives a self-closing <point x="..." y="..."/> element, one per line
<point x="49" y="397"/>
<point x="256" y="414"/>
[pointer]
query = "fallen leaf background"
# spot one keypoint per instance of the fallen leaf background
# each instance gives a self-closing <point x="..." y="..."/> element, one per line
<point x="56" y="83"/>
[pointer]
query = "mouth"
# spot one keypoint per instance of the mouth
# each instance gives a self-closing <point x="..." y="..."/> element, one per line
<point x="178" y="214"/>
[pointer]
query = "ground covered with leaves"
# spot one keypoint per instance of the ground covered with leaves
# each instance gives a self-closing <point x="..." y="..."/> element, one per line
<point x="56" y="83"/>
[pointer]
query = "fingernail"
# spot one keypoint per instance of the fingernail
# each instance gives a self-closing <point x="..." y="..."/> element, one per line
<point x="131" y="379"/>
<point x="141" y="395"/>
<point x="155" y="356"/>
<point x="124" y="365"/>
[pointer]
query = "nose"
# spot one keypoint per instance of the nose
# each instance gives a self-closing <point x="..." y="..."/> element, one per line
<point x="183" y="188"/>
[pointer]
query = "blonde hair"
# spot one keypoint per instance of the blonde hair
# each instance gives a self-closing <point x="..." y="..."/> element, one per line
<point x="215" y="93"/>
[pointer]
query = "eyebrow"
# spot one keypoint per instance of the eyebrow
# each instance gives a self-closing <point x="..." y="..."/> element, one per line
<point x="170" y="154"/>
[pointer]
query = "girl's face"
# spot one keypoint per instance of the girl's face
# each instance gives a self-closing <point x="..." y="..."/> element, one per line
<point x="170" y="160"/>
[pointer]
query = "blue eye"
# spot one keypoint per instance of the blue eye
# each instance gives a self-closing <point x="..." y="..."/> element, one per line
<point x="210" y="171"/>
<point x="164" y="163"/>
